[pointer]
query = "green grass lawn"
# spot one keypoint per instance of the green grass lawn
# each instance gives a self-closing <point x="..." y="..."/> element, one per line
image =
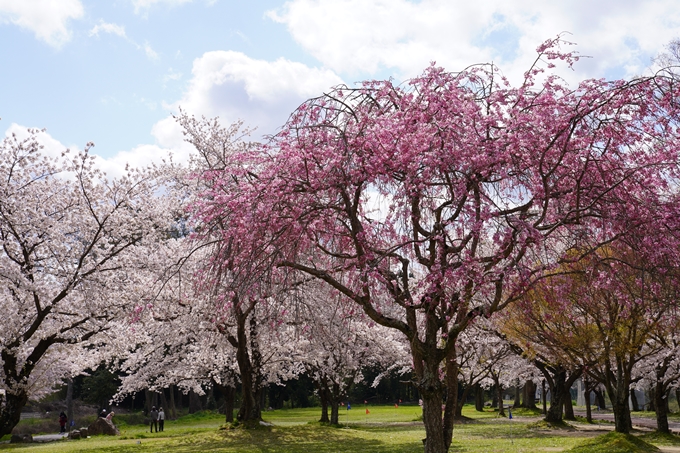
<point x="384" y="429"/>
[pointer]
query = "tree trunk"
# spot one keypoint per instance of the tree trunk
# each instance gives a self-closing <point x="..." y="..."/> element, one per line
<point x="194" y="402"/>
<point x="634" y="401"/>
<point x="229" y="393"/>
<point x="518" y="401"/>
<point x="601" y="401"/>
<point x="622" y="421"/>
<point x="432" y="393"/>
<point x="147" y="401"/>
<point x="335" y="412"/>
<point x="461" y="401"/>
<point x="586" y="391"/>
<point x="618" y="394"/>
<point x="180" y="400"/>
<point x="661" y="407"/>
<point x="529" y="395"/>
<point x="557" y="396"/>
<point x="10" y="412"/>
<point x="451" y="392"/>
<point x="544" y="396"/>
<point x="69" y="402"/>
<point x="250" y="404"/>
<point x="171" y="410"/>
<point x="323" y="396"/>
<point x="479" y="398"/>
<point x="501" y="405"/>
<point x="568" y="406"/>
<point x="164" y="402"/>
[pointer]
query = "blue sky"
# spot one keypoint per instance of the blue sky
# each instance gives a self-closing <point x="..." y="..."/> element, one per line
<point x="114" y="72"/>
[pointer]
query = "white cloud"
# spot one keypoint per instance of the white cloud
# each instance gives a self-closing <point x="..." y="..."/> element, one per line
<point x="119" y="30"/>
<point x="358" y="36"/>
<point x="145" y="5"/>
<point x="262" y="93"/>
<point x="150" y="53"/>
<point x="48" y="19"/>
<point x="172" y="75"/>
<point x="113" y="29"/>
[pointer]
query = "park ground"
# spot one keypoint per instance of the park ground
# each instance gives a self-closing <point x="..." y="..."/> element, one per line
<point x="383" y="429"/>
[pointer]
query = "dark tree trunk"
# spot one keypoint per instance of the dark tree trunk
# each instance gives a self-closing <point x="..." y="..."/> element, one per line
<point x="180" y="397"/>
<point x="634" y="401"/>
<point x="568" y="406"/>
<point x="619" y="394"/>
<point x="250" y="409"/>
<point x="194" y="402"/>
<point x="69" y="401"/>
<point x="335" y="413"/>
<point x="558" y="388"/>
<point x="544" y="396"/>
<point x="147" y="401"/>
<point x="601" y="401"/>
<point x="229" y="393"/>
<point x="494" y="397"/>
<point x="586" y="393"/>
<point x="432" y="393"/>
<point x="461" y="401"/>
<point x="324" y="397"/>
<point x="171" y="410"/>
<point x="529" y="395"/>
<point x="651" y="399"/>
<point x="560" y="381"/>
<point x="479" y="398"/>
<point x="164" y="402"/>
<point x="10" y="412"/>
<point x="451" y="393"/>
<point x="499" y="393"/>
<point x="517" y="403"/>
<point x="661" y="408"/>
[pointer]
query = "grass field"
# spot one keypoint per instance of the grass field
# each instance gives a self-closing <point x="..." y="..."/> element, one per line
<point x="384" y="429"/>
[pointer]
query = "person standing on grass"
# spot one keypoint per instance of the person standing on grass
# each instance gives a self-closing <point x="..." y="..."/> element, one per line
<point x="161" y="419"/>
<point x="62" y="422"/>
<point x="154" y="419"/>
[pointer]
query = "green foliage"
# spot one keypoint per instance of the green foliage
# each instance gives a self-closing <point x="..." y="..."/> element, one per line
<point x="99" y="387"/>
<point x="615" y="443"/>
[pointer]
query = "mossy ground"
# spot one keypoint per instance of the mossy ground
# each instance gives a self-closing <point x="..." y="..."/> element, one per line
<point x="615" y="443"/>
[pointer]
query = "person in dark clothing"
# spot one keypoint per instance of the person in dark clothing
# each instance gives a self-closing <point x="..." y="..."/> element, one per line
<point x="153" y="415"/>
<point x="62" y="422"/>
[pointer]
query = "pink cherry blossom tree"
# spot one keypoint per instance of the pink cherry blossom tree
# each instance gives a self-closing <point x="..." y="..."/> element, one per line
<point x="441" y="200"/>
<point x="71" y="243"/>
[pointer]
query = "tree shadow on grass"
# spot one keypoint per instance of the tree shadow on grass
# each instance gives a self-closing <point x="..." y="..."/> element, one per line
<point x="294" y="439"/>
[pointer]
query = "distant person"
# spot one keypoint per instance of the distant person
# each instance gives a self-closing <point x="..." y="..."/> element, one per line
<point x="102" y="414"/>
<point x="153" y="419"/>
<point x="110" y="416"/>
<point x="161" y="419"/>
<point x="62" y="422"/>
